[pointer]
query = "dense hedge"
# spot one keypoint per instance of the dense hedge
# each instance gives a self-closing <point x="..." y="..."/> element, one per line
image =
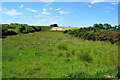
<point x="97" y="33"/>
<point x="13" y="29"/>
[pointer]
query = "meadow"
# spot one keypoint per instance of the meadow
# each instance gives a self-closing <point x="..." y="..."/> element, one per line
<point x="48" y="54"/>
<point x="62" y="28"/>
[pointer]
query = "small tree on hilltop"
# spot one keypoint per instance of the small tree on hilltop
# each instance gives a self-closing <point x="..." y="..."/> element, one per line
<point x="54" y="25"/>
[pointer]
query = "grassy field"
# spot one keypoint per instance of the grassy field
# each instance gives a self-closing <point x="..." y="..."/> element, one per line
<point x="62" y="28"/>
<point x="57" y="55"/>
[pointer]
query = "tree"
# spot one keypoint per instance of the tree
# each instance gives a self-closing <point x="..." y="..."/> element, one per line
<point x="96" y="26"/>
<point x="107" y="26"/>
<point x="54" y="25"/>
<point x="101" y="26"/>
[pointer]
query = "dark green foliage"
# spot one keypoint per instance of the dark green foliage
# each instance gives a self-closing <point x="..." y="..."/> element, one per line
<point x="21" y="28"/>
<point x="86" y="57"/>
<point x="98" y="32"/>
<point x="36" y="28"/>
<point x="65" y="31"/>
<point x="10" y="32"/>
<point x="30" y="29"/>
<point x="62" y="47"/>
<point x="54" y="25"/>
<point x="15" y="28"/>
<point x="25" y="31"/>
<point x="107" y="26"/>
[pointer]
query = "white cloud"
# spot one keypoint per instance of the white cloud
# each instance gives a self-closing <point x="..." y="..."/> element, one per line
<point x="38" y="15"/>
<point x="114" y="3"/>
<point x="54" y="21"/>
<point x="50" y="8"/>
<point x="32" y="10"/>
<point x="64" y="12"/>
<point x="48" y="4"/>
<point x="47" y="20"/>
<point x="21" y="6"/>
<point x="90" y="5"/>
<point x="12" y="12"/>
<point x="44" y="9"/>
<point x="58" y="8"/>
<point x="96" y="1"/>
<point x="46" y="13"/>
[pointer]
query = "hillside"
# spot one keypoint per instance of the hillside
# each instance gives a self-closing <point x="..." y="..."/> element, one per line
<point x="56" y="55"/>
<point x="62" y="28"/>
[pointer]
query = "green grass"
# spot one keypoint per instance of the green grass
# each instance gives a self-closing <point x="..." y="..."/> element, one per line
<point x="45" y="28"/>
<point x="57" y="55"/>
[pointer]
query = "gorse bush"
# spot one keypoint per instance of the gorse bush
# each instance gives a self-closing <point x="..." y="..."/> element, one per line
<point x="36" y="28"/>
<point x="30" y="29"/>
<point x="13" y="29"/>
<point x="98" y="32"/>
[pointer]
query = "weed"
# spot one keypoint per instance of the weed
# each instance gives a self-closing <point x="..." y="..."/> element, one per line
<point x="86" y="57"/>
<point x="62" y="47"/>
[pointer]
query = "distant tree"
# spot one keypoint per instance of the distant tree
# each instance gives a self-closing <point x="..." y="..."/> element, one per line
<point x="54" y="25"/>
<point x="13" y="23"/>
<point x="115" y="26"/>
<point x="101" y="26"/>
<point x="107" y="26"/>
<point x="96" y="26"/>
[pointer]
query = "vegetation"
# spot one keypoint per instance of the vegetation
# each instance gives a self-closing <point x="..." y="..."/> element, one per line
<point x="15" y="28"/>
<point x="98" y="32"/>
<point x="62" y="28"/>
<point x="51" y="54"/>
<point x="54" y="25"/>
<point x="56" y="55"/>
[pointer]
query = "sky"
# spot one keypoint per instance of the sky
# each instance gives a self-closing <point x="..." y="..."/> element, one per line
<point x="73" y="14"/>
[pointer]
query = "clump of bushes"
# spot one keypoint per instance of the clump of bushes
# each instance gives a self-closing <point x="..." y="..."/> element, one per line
<point x="101" y="32"/>
<point x="13" y="29"/>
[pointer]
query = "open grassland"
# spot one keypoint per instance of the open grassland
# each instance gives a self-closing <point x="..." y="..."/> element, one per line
<point x="57" y="55"/>
<point x="62" y="28"/>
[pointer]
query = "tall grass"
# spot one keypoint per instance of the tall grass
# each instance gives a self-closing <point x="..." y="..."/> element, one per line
<point x="56" y="55"/>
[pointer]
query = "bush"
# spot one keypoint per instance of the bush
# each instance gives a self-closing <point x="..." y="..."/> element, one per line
<point x="21" y="28"/>
<point x="30" y="29"/>
<point x="62" y="47"/>
<point x="36" y="28"/>
<point x="86" y="57"/>
<point x="10" y="32"/>
<point x="65" y="31"/>
<point x="25" y="31"/>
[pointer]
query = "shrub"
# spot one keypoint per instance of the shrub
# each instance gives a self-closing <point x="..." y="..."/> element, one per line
<point x="30" y="29"/>
<point x="25" y="31"/>
<point x="36" y="28"/>
<point x="10" y="32"/>
<point x="62" y="47"/>
<point x="86" y="57"/>
<point x="21" y="28"/>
